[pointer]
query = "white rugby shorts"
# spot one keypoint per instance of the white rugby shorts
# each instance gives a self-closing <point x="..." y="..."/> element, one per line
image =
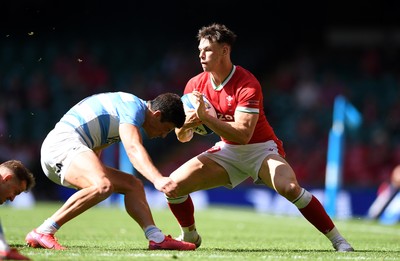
<point x="241" y="161"/>
<point x="59" y="148"/>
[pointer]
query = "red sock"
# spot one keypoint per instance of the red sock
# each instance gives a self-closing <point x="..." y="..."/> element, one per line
<point x="183" y="212"/>
<point x="315" y="213"/>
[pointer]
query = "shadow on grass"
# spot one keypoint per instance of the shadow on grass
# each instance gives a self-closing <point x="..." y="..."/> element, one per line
<point x="226" y="250"/>
<point x="297" y="250"/>
<point x="267" y="250"/>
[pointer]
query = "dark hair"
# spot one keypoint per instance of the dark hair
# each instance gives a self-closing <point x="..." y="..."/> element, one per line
<point x="171" y="107"/>
<point x="21" y="172"/>
<point x="218" y="33"/>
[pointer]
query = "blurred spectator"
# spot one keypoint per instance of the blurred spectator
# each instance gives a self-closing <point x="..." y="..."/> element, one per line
<point x="386" y="193"/>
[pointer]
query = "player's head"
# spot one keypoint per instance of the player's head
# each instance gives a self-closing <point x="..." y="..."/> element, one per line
<point x="15" y="178"/>
<point x="215" y="45"/>
<point x="171" y="107"/>
<point x="217" y="33"/>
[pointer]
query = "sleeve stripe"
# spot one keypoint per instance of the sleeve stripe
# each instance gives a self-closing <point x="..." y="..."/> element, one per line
<point x="248" y="110"/>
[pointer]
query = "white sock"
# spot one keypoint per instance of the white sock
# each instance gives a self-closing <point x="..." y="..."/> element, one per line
<point x="153" y="233"/>
<point x="48" y="227"/>
<point x="333" y="235"/>
<point x="3" y="244"/>
<point x="189" y="233"/>
<point x="303" y="199"/>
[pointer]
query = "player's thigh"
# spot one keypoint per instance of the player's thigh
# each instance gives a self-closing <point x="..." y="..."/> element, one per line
<point x="199" y="173"/>
<point x="85" y="170"/>
<point x="276" y="173"/>
<point x="123" y="182"/>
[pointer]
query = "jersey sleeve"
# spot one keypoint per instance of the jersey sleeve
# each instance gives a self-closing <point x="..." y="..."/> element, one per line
<point x="132" y="111"/>
<point x="250" y="98"/>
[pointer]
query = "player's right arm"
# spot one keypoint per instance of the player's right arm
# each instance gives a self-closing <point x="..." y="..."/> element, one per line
<point x="185" y="133"/>
<point x="141" y="160"/>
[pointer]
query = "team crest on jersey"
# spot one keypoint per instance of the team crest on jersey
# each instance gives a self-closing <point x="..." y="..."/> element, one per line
<point x="229" y="99"/>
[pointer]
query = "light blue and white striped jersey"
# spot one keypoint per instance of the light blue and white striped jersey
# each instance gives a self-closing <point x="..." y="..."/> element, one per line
<point x="97" y="117"/>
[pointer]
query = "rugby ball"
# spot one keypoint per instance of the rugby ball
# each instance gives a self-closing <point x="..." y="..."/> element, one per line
<point x="189" y="102"/>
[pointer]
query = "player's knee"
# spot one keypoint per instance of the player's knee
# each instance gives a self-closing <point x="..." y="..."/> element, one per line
<point x="290" y="191"/>
<point x="177" y="200"/>
<point x="105" y="188"/>
<point x="135" y="184"/>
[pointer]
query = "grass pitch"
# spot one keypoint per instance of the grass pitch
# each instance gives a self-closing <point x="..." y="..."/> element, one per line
<point x="108" y="233"/>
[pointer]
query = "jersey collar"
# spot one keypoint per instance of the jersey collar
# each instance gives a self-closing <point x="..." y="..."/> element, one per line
<point x="219" y="87"/>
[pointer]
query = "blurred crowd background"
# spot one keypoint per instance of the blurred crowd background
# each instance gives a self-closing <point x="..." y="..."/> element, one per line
<point x="53" y="55"/>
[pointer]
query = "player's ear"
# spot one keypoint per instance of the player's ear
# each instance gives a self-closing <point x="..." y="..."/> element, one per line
<point x="225" y="50"/>
<point x="7" y="177"/>
<point x="157" y="114"/>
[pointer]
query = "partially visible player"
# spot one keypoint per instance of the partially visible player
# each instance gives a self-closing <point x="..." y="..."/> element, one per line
<point x="70" y="156"/>
<point x="15" y="178"/>
<point x="386" y="193"/>
<point x="248" y="146"/>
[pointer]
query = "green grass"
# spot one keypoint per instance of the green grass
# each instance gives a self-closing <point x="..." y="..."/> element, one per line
<point x="228" y="234"/>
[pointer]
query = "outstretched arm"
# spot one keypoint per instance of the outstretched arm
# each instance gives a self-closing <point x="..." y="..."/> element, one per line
<point x="141" y="160"/>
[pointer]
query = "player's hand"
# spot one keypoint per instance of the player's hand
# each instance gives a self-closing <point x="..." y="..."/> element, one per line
<point x="191" y="119"/>
<point x="201" y="111"/>
<point x="166" y="185"/>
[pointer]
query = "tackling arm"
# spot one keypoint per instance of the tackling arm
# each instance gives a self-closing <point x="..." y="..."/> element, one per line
<point x="140" y="159"/>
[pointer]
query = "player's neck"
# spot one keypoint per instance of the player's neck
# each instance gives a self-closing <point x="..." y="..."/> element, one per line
<point x="218" y="77"/>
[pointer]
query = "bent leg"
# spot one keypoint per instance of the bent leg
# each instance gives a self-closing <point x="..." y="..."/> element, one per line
<point x="138" y="208"/>
<point x="88" y="174"/>
<point x="279" y="175"/>
<point x="199" y="173"/>
<point x="135" y="201"/>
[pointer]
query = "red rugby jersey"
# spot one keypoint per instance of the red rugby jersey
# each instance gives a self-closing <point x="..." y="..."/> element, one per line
<point x="240" y="91"/>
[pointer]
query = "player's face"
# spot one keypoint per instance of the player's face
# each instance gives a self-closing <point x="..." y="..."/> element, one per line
<point x="210" y="55"/>
<point x="159" y="129"/>
<point x="11" y="188"/>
